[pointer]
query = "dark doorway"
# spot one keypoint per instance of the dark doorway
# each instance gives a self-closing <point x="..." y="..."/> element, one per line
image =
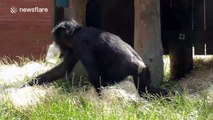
<point x="93" y="14"/>
<point x="116" y="16"/>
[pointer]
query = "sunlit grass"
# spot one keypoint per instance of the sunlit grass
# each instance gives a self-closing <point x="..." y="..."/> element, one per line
<point x="76" y="106"/>
<point x="166" y="61"/>
<point x="71" y="100"/>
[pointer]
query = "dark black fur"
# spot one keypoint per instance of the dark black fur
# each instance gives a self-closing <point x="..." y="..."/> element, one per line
<point x="105" y="56"/>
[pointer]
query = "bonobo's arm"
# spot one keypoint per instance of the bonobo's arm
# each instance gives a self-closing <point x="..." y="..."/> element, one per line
<point x="57" y="72"/>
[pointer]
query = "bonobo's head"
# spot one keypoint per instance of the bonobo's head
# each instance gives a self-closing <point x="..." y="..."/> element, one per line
<point x="63" y="33"/>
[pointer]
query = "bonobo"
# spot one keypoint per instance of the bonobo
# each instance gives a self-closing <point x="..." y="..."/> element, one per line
<point x="105" y="56"/>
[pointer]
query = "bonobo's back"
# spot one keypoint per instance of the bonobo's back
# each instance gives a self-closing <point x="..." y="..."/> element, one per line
<point x="106" y="46"/>
<point x="99" y="38"/>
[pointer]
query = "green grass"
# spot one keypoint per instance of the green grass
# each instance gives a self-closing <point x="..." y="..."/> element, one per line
<point x="75" y="106"/>
<point x="166" y="67"/>
<point x="73" y="103"/>
<point x="153" y="110"/>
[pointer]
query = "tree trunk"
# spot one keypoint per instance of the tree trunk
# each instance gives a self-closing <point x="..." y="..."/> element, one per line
<point x="148" y="37"/>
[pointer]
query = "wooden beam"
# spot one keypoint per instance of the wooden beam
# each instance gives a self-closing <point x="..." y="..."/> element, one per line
<point x="148" y="37"/>
<point x="181" y="60"/>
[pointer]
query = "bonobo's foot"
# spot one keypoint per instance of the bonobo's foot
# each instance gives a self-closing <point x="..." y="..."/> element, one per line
<point x="158" y="91"/>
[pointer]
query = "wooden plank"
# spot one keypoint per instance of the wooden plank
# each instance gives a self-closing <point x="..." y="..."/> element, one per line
<point x="209" y="43"/>
<point x="166" y="24"/>
<point x="209" y="15"/>
<point x="199" y="41"/>
<point x="198" y="15"/>
<point x="209" y="27"/>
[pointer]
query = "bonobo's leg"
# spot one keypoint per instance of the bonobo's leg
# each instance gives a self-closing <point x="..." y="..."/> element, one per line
<point x="142" y="82"/>
<point x="91" y="66"/>
<point x="57" y="72"/>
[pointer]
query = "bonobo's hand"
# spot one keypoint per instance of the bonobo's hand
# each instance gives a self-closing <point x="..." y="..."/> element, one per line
<point x="31" y="83"/>
<point x="35" y="81"/>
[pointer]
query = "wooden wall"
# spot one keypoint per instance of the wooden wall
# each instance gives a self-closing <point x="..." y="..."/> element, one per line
<point x="25" y="34"/>
<point x="191" y="18"/>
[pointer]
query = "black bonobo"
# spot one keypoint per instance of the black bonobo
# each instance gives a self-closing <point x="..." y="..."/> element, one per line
<point x="105" y="56"/>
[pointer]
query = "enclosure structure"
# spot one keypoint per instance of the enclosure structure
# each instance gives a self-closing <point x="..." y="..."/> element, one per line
<point x="189" y="21"/>
<point x="186" y="24"/>
<point x="146" y="25"/>
<point x="123" y="17"/>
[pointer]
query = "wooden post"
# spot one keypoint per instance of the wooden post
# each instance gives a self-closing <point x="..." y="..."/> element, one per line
<point x="148" y="37"/>
<point x="181" y="60"/>
<point x="177" y="31"/>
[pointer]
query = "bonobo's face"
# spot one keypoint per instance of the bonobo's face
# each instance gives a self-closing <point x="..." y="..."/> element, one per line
<point x="63" y="33"/>
<point x="61" y="38"/>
